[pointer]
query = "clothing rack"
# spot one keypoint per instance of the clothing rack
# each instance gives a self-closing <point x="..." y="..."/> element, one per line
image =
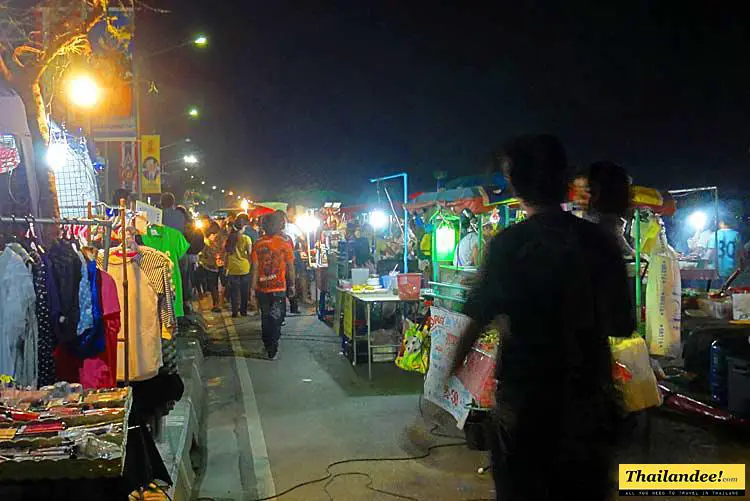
<point x="107" y="224"/>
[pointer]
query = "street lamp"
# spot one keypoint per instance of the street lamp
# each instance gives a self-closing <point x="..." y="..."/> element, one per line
<point x="176" y="143"/>
<point x="190" y="159"/>
<point x="200" y="41"/>
<point x="213" y="187"/>
<point x="193" y="112"/>
<point x="83" y="91"/>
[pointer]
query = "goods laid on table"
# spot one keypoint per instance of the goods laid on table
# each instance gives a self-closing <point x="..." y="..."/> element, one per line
<point x="62" y="431"/>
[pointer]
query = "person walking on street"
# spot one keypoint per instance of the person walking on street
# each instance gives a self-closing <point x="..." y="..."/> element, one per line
<point x="556" y="286"/>
<point x="170" y="215"/>
<point x="287" y="236"/>
<point x="208" y="261"/>
<point x="272" y="279"/>
<point x="237" y="262"/>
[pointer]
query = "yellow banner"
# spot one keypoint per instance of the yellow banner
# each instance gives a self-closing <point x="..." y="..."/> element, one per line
<point x="151" y="164"/>
<point x="682" y="480"/>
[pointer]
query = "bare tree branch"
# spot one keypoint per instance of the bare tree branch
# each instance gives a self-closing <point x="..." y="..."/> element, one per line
<point x="25" y="49"/>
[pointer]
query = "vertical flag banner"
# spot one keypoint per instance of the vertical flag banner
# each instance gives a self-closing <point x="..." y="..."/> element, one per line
<point x="151" y="164"/>
<point x="128" y="162"/>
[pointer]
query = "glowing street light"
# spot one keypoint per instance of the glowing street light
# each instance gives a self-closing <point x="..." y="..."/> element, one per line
<point x="698" y="220"/>
<point x="193" y="112"/>
<point x="83" y="91"/>
<point x="57" y="155"/>
<point x="378" y="219"/>
<point x="186" y="169"/>
<point x="190" y="159"/>
<point x="203" y="182"/>
<point x="222" y="191"/>
<point x="308" y="223"/>
<point x="201" y="41"/>
<point x="213" y="187"/>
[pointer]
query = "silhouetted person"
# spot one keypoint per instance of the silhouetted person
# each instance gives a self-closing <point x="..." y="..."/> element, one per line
<point x="170" y="216"/>
<point x="557" y="287"/>
<point x="609" y="188"/>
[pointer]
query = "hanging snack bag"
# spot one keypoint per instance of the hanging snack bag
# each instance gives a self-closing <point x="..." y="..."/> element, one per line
<point x="414" y="354"/>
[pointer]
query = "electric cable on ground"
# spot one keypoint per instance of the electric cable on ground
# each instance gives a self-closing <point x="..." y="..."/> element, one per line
<point x="330" y="476"/>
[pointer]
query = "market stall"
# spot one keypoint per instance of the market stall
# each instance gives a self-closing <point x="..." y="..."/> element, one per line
<point x="369" y="289"/>
<point x="699" y="338"/>
<point x="448" y="217"/>
<point x="119" y="331"/>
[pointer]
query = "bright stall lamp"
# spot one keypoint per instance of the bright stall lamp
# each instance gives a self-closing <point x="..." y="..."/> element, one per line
<point x="378" y="219"/>
<point x="698" y="220"/>
<point x="445" y="243"/>
<point x="83" y="91"/>
<point x="308" y="223"/>
<point x="244" y="205"/>
<point x="199" y="224"/>
<point x="57" y="155"/>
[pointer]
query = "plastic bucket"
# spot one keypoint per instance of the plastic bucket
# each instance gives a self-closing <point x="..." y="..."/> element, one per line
<point x="387" y="282"/>
<point x="409" y="286"/>
<point x="360" y="276"/>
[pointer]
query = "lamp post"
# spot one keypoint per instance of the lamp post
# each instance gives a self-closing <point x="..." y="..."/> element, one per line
<point x="199" y="41"/>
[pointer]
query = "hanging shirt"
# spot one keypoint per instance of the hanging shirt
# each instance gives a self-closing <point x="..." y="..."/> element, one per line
<point x="174" y="245"/>
<point x="730" y="245"/>
<point x="144" y="330"/>
<point x="238" y="262"/>
<point x="86" y="319"/>
<point x="158" y="268"/>
<point x="66" y="267"/>
<point x="18" y="323"/>
<point x="270" y="256"/>
<point x="101" y="371"/>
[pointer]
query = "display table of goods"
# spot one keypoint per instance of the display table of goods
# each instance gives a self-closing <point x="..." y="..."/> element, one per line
<point x="62" y="432"/>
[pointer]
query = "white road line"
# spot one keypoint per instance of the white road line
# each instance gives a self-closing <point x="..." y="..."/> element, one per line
<point x="261" y="463"/>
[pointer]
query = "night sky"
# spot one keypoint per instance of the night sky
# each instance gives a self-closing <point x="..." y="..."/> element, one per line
<point x="333" y="93"/>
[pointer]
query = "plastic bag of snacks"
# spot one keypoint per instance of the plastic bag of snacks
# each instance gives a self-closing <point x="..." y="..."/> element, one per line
<point x="414" y="354"/>
<point x="633" y="374"/>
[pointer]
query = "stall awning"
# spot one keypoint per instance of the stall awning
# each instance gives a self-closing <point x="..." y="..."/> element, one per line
<point x="478" y="199"/>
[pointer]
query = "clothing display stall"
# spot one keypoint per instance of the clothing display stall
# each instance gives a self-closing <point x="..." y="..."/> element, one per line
<point x="80" y="317"/>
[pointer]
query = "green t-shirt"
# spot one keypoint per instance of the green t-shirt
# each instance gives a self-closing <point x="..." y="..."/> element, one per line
<point x="174" y="245"/>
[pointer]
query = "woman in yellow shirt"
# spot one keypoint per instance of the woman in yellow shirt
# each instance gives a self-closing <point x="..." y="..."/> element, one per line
<point x="237" y="262"/>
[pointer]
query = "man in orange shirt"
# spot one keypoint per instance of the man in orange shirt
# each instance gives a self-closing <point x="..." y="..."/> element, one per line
<point x="272" y="279"/>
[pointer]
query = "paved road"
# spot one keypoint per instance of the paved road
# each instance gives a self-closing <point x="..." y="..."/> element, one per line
<point x="273" y="425"/>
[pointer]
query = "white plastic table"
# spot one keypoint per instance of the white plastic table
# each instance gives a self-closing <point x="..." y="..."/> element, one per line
<point x="369" y="299"/>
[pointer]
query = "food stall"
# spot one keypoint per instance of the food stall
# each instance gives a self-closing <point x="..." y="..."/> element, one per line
<point x="470" y="393"/>
<point x="369" y="295"/>
<point x="701" y="345"/>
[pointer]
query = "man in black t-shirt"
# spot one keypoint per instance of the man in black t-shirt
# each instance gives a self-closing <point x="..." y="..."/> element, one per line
<point x="557" y="286"/>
